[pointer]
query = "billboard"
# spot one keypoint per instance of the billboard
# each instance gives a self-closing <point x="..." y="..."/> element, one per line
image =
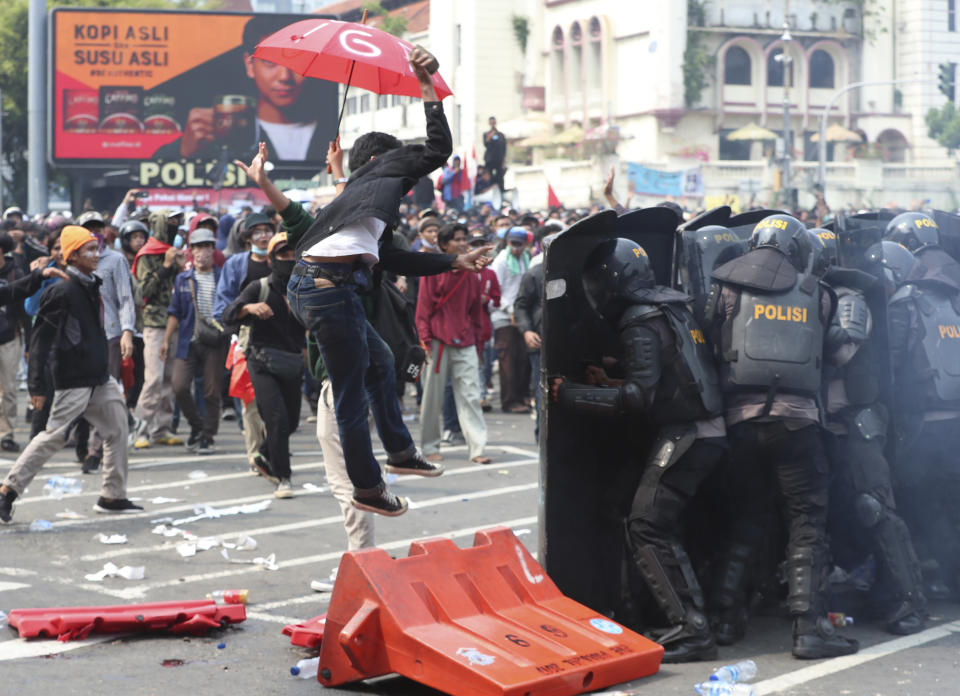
<point x="179" y="93"/>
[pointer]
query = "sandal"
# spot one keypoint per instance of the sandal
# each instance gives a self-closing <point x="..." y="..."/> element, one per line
<point x="481" y="460"/>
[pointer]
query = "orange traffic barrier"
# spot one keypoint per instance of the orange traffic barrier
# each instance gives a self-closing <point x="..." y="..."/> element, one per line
<point x="308" y="634"/>
<point x="482" y="620"/>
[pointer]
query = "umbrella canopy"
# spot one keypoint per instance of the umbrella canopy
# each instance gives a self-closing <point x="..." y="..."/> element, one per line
<point x="752" y="131"/>
<point x="838" y="134"/>
<point x="330" y="50"/>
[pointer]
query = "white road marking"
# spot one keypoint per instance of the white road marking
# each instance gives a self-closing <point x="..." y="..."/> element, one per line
<point x="311" y="598"/>
<point x="18" y="648"/>
<point x="18" y="572"/>
<point x="140" y="591"/>
<point x="273" y="618"/>
<point x="839" y="664"/>
<point x="11" y="585"/>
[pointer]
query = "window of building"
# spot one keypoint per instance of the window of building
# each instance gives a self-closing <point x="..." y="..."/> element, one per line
<point x="736" y="67"/>
<point x="364" y="103"/>
<point x="351" y="105"/>
<point x="396" y="100"/>
<point x="456" y="47"/>
<point x="557" y="78"/>
<point x="775" y="69"/>
<point x="821" y="70"/>
<point x="383" y="101"/>
<point x="595" y="29"/>
<point x="733" y="149"/>
<point x="951" y="15"/>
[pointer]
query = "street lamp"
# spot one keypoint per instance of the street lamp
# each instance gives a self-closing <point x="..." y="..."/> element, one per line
<point x="785" y="59"/>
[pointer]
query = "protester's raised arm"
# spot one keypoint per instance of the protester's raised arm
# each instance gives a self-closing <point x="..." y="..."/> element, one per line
<point x="257" y="173"/>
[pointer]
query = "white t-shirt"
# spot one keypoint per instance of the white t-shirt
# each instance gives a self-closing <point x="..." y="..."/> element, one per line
<point x="290" y="140"/>
<point x="360" y="237"/>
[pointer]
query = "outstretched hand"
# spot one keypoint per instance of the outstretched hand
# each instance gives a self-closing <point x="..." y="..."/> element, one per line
<point x="256" y="170"/>
<point x="474" y="261"/>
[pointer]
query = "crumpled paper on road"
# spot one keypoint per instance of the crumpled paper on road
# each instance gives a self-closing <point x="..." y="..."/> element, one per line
<point x="112" y="538"/>
<point x="208" y="512"/>
<point x="269" y="563"/>
<point x="112" y="571"/>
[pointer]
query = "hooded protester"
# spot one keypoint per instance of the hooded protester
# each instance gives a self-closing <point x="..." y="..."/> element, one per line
<point x="274" y="358"/>
<point x="155" y="267"/>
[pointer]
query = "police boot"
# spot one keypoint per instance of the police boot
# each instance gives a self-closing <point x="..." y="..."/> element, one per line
<point x="906" y="619"/>
<point x="730" y="620"/>
<point x="688" y="639"/>
<point x="815" y="638"/>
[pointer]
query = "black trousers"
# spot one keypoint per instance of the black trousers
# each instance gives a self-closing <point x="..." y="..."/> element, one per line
<point x="208" y="361"/>
<point x="769" y="458"/>
<point x="278" y="400"/>
<point x="514" y="366"/>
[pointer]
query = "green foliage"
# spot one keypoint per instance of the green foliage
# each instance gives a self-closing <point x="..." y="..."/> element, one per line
<point x="943" y="125"/>
<point x="392" y="25"/>
<point x="868" y="11"/>
<point x="521" y="31"/>
<point x="698" y="61"/>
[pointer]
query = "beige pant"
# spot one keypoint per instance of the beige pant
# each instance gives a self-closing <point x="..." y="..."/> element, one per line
<point x="10" y="354"/>
<point x="254" y="431"/>
<point x="461" y="366"/>
<point x="357" y="523"/>
<point x="155" y="405"/>
<point x="104" y="407"/>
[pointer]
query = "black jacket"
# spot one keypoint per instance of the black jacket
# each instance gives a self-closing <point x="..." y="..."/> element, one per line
<point x="375" y="190"/>
<point x="527" y="308"/>
<point x="69" y="329"/>
<point x="281" y="331"/>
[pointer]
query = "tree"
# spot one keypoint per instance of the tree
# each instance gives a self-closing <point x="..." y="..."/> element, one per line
<point x="943" y="125"/>
<point x="392" y="25"/>
<point x="14" y="32"/>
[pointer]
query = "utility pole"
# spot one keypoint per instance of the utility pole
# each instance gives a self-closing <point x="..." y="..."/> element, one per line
<point x="36" y="109"/>
<point x="785" y="61"/>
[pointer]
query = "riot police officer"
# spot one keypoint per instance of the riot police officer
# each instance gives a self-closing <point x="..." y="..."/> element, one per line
<point x="668" y="381"/>
<point x="857" y="425"/>
<point x="924" y="317"/>
<point x="769" y="319"/>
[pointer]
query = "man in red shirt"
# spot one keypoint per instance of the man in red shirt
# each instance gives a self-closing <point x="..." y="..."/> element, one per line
<point x="450" y="324"/>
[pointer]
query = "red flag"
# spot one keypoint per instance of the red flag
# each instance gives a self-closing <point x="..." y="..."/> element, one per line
<point x="552" y="200"/>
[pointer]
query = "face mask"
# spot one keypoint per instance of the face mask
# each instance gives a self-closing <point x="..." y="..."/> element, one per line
<point x="117" y="245"/>
<point x="282" y="268"/>
<point x="258" y="251"/>
<point x="178" y="242"/>
<point x="203" y="257"/>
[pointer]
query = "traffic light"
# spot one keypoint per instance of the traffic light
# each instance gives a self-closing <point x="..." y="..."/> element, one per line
<point x="947" y="80"/>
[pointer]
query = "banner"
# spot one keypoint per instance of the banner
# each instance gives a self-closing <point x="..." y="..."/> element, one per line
<point x="180" y="86"/>
<point x="654" y="182"/>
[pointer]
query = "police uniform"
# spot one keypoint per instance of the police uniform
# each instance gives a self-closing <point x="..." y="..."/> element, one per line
<point x="769" y="323"/>
<point x="669" y="380"/>
<point x="857" y="423"/>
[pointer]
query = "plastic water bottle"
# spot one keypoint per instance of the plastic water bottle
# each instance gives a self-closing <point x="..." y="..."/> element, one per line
<point x="58" y="486"/>
<point x="307" y="668"/>
<point x="40" y="526"/>
<point x="743" y="671"/>
<point x="719" y="688"/>
<point x="229" y="596"/>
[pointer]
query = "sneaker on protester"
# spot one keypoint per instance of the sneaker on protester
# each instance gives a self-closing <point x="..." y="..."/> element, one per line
<point x="167" y="439"/>
<point x="116" y="506"/>
<point x="193" y="442"/>
<point x="415" y="465"/>
<point x="284" y="489"/>
<point x="382" y="502"/>
<point x="206" y="445"/>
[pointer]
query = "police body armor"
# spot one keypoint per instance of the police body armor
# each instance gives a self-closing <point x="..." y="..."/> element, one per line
<point x="692" y="392"/>
<point x="936" y="356"/>
<point x="775" y="340"/>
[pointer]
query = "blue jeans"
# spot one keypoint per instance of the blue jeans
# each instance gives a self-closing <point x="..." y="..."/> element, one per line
<point x="360" y="367"/>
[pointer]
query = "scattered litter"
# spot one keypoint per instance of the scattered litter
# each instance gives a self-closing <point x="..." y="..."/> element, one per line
<point x="229" y="596"/>
<point x="173" y="531"/>
<point x="161" y="520"/>
<point x="110" y="570"/>
<point x="58" y="486"/>
<point x="244" y="543"/>
<point x="306" y="668"/>
<point x="69" y="514"/>
<point x="3" y="618"/>
<point x="503" y="471"/>
<point x="41" y="526"/>
<point x="312" y="486"/>
<point x="160" y="500"/>
<point x="112" y="539"/>
<point x="390" y="478"/>
<point x="520" y="532"/>
<point x="186" y="549"/>
<point x="270" y="562"/>
<point x="198" y="474"/>
<point x="221" y="646"/>
<point x="208" y="512"/>
<point x="321" y="586"/>
<point x="172" y="663"/>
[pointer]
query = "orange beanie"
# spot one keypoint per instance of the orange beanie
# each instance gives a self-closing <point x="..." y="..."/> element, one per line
<point x="72" y="238"/>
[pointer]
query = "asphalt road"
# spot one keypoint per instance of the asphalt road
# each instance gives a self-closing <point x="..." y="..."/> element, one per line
<point x="40" y="569"/>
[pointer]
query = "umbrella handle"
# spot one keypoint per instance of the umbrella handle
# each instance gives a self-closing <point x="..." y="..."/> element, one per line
<point x="346" y="91"/>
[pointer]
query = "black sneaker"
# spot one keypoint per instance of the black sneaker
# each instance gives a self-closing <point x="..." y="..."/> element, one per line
<point x="117" y="506"/>
<point x="6" y="506"/>
<point x="415" y="465"/>
<point x="8" y="445"/>
<point x="193" y="442"/>
<point x="90" y="464"/>
<point x="206" y="446"/>
<point x="228" y="414"/>
<point x="820" y="640"/>
<point x="383" y="503"/>
<point x="262" y="466"/>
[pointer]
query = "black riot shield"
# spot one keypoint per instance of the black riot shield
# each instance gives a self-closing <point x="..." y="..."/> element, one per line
<point x="949" y="224"/>
<point x="714" y="216"/>
<point x="701" y="251"/>
<point x="856" y="234"/>
<point x="742" y="225"/>
<point x="653" y="229"/>
<point x="589" y="465"/>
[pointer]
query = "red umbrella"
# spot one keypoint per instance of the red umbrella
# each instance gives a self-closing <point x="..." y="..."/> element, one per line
<point x="347" y="53"/>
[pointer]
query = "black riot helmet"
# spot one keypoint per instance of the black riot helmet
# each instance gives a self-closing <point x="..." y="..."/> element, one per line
<point x="126" y="231"/>
<point x="831" y="256"/>
<point x="786" y="233"/>
<point x="820" y="255"/>
<point x="913" y="230"/>
<point x="615" y="274"/>
<point x="895" y="259"/>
